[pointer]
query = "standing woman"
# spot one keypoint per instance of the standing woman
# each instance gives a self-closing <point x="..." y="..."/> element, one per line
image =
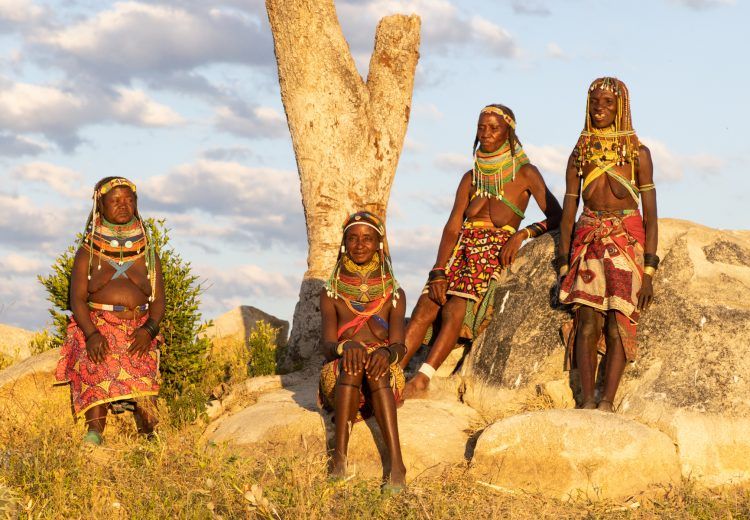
<point x="607" y="272"/>
<point x="110" y="355"/>
<point x="362" y="309"/>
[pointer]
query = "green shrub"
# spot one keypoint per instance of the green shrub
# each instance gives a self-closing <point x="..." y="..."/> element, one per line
<point x="183" y="354"/>
<point x="264" y="356"/>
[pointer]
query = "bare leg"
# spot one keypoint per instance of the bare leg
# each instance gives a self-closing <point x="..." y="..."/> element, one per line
<point x="96" y="418"/>
<point x="589" y="328"/>
<point x="346" y="403"/>
<point x="615" y="363"/>
<point x="384" y="406"/>
<point x="452" y="316"/>
<point x="422" y="317"/>
<point x="145" y="415"/>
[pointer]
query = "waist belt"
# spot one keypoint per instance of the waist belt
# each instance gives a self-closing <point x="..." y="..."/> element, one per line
<point x="482" y="224"/>
<point x="116" y="308"/>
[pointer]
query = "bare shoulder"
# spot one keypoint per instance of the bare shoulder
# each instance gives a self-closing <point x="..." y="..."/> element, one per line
<point x="644" y="152"/>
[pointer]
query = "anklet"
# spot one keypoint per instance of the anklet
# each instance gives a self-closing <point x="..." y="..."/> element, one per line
<point x="427" y="370"/>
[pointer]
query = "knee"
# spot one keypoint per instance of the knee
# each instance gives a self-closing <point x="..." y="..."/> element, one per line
<point x="587" y="330"/>
<point x="453" y="310"/>
<point x="350" y="379"/>
<point x="378" y="384"/>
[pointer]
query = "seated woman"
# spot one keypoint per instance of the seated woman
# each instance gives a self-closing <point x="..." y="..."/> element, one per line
<point x="478" y="240"/>
<point x="109" y="356"/>
<point x="362" y="308"/>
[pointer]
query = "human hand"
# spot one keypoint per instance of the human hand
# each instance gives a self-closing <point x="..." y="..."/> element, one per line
<point x="97" y="347"/>
<point x="354" y="358"/>
<point x="141" y="342"/>
<point x="437" y="291"/>
<point x="646" y="294"/>
<point x="378" y="363"/>
<point x="511" y="247"/>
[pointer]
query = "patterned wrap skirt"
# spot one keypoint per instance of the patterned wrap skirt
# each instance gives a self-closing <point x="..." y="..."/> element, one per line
<point x="606" y="271"/>
<point x="329" y="375"/>
<point x="120" y="376"/>
<point x="475" y="261"/>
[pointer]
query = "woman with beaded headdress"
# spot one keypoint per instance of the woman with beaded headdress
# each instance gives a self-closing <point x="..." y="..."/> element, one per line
<point x="110" y="356"/>
<point x="478" y="241"/>
<point x="607" y="271"/>
<point x="362" y="309"/>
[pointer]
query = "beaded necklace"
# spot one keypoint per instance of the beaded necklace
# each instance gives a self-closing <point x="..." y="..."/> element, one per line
<point x="492" y="170"/>
<point x="364" y="269"/>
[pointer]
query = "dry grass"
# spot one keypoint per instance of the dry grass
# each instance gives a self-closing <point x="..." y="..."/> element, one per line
<point x="45" y="472"/>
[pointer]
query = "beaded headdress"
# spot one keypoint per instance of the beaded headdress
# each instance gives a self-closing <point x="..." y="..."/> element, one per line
<point x="387" y="281"/>
<point x="118" y="244"/>
<point x="618" y="143"/>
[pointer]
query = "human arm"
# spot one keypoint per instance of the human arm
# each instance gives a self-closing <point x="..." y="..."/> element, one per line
<point x="439" y="285"/>
<point x="96" y="343"/>
<point x="546" y="202"/>
<point x="380" y="360"/>
<point x="650" y="223"/>
<point x="570" y="207"/>
<point x="353" y="354"/>
<point x="144" y="335"/>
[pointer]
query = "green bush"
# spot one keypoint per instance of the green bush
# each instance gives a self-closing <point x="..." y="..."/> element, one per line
<point x="183" y="354"/>
<point x="263" y="352"/>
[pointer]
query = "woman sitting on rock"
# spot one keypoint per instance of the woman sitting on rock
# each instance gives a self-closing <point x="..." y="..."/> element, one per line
<point x="362" y="309"/>
<point x="117" y="298"/>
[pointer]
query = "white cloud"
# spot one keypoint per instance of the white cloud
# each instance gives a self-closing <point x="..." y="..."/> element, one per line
<point x="453" y="162"/>
<point x="260" y="205"/>
<point x="44" y="228"/>
<point x="493" y="37"/>
<point x="444" y="26"/>
<point x="62" y="180"/>
<point x="19" y="12"/>
<point x="556" y="52"/>
<point x="59" y="112"/>
<point x="139" y="38"/>
<point x="531" y="7"/>
<point x="251" y="122"/>
<point x="17" y="146"/>
<point x="551" y="160"/>
<point x="135" y="107"/>
<point x="427" y="111"/>
<point x="14" y="264"/>
<point x="703" y="4"/>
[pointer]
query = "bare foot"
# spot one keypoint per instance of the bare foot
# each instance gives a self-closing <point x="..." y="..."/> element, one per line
<point x="606" y="406"/>
<point x="417" y="386"/>
<point x="338" y="471"/>
<point x="589" y="404"/>
<point x="398" y="476"/>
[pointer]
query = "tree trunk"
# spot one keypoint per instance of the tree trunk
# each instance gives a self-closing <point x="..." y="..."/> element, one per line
<point x="347" y="134"/>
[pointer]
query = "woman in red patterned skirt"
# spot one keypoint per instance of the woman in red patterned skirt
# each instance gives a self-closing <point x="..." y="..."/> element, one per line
<point x="110" y="357"/>
<point x="479" y="239"/>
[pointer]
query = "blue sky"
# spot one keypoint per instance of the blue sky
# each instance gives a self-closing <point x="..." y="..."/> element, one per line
<point x="181" y="96"/>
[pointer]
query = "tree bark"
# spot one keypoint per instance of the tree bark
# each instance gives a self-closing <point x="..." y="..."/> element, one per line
<point x="347" y="134"/>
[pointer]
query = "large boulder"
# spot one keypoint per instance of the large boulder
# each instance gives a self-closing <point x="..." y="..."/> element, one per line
<point x="432" y="432"/>
<point x="15" y="342"/>
<point x="577" y="454"/>
<point x="240" y="322"/>
<point x="29" y="383"/>
<point x="693" y="363"/>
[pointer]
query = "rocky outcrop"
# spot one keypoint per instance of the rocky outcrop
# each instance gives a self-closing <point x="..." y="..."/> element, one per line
<point x="41" y="365"/>
<point x="14" y="342"/>
<point x="433" y="433"/>
<point x="692" y="375"/>
<point x="240" y="322"/>
<point x="577" y="454"/>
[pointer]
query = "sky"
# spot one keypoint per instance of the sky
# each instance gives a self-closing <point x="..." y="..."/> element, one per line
<point x="182" y="97"/>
